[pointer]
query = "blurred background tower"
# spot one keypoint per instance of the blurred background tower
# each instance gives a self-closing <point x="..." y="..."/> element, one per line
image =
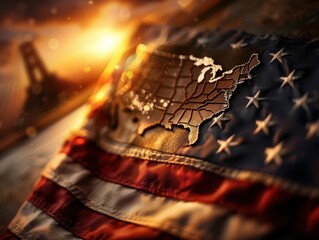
<point x="43" y="88"/>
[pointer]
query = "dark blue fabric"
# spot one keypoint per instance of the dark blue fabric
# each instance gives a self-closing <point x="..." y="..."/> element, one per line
<point x="301" y="162"/>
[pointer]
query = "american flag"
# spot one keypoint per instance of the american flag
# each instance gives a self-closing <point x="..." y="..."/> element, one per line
<point x="249" y="172"/>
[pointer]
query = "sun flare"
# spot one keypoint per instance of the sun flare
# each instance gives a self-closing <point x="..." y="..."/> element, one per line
<point x="103" y="42"/>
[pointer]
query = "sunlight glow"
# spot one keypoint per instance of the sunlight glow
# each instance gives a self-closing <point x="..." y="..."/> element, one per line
<point x="102" y="42"/>
<point x="102" y="95"/>
<point x="83" y="50"/>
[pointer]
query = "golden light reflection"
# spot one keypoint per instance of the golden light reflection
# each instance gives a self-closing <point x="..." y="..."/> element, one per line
<point x="116" y="56"/>
<point x="105" y="86"/>
<point x="103" y="94"/>
<point x="129" y="74"/>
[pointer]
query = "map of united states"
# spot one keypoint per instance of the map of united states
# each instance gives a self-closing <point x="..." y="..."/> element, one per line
<point x="180" y="91"/>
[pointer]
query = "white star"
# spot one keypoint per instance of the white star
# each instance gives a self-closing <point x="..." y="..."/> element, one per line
<point x="239" y="44"/>
<point x="313" y="129"/>
<point x="289" y="79"/>
<point x="219" y="120"/>
<point x="264" y="125"/>
<point x="224" y="146"/>
<point x="274" y="154"/>
<point x="278" y="56"/>
<point x="301" y="102"/>
<point x="254" y="100"/>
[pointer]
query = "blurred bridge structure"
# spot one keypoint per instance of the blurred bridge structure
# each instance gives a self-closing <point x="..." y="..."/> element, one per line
<point x="48" y="98"/>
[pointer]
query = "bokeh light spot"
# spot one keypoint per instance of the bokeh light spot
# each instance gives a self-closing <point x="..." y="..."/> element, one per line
<point x="54" y="44"/>
<point x="124" y="14"/>
<point x="31" y="132"/>
<point x="87" y="69"/>
<point x="54" y="11"/>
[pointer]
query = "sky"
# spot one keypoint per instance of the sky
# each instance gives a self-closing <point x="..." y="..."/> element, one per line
<point x="63" y="32"/>
<point x="67" y="30"/>
<point x="74" y="38"/>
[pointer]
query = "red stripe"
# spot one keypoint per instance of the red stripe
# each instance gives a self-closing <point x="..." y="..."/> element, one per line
<point x="82" y="221"/>
<point x="8" y="235"/>
<point x="189" y="184"/>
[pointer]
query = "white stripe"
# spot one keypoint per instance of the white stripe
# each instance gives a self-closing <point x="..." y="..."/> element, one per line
<point x="126" y="149"/>
<point x="32" y="223"/>
<point x="191" y="220"/>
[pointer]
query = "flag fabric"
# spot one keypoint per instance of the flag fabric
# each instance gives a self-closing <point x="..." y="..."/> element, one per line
<point x="212" y="135"/>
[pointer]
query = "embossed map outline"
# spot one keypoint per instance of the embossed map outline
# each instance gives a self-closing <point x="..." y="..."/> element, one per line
<point x="178" y="90"/>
